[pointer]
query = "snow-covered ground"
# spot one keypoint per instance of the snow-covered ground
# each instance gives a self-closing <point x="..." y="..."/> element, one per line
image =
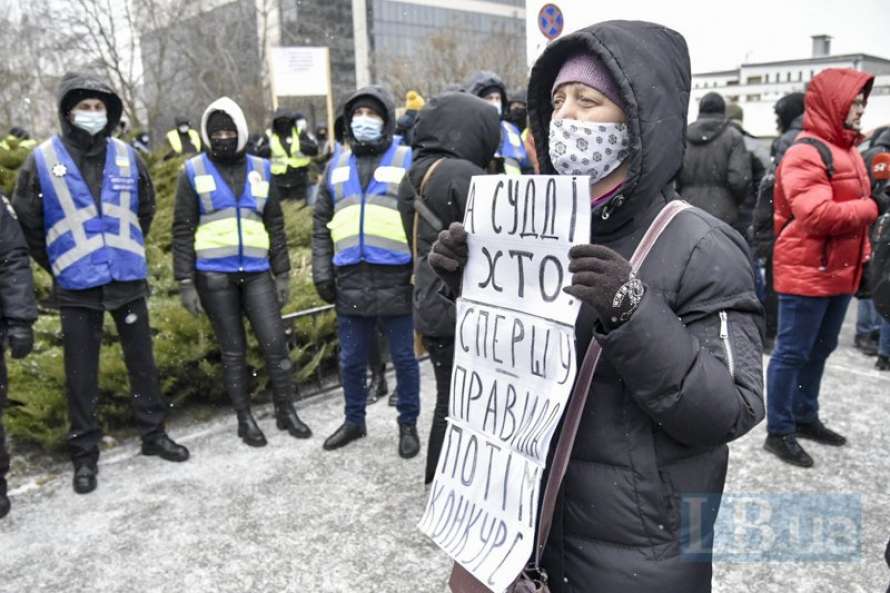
<point x="292" y="517"/>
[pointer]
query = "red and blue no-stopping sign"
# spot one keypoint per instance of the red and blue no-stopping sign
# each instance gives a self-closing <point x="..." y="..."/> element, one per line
<point x="550" y="21"/>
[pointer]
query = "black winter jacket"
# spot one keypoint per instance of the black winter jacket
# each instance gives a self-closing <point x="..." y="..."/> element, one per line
<point x="683" y="376"/>
<point x="362" y="289"/>
<point x="764" y="236"/>
<point x="465" y="132"/>
<point x="716" y="173"/>
<point x="187" y="213"/>
<point x="282" y="124"/>
<point x="88" y="153"/>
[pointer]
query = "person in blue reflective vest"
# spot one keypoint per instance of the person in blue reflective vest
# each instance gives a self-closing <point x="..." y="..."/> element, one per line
<point x="361" y="262"/>
<point x="85" y="202"/>
<point x="511" y="157"/>
<point x="228" y="241"/>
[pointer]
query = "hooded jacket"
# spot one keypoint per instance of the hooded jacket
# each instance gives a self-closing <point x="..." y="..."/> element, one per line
<point x="187" y="211"/>
<point x="716" y="173"/>
<point x="283" y="121"/>
<point x="463" y="131"/>
<point x="678" y="380"/>
<point x="821" y="225"/>
<point x="88" y="153"/>
<point x="362" y="289"/>
<point x="485" y="79"/>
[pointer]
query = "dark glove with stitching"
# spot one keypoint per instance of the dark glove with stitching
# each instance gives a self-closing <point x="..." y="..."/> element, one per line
<point x="602" y="279"/>
<point x="20" y="337"/>
<point x="282" y="289"/>
<point x="448" y="256"/>
<point x="327" y="291"/>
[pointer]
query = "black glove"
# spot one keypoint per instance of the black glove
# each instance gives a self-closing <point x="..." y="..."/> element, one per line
<point x="327" y="291"/>
<point x="601" y="278"/>
<point x="282" y="288"/>
<point x="188" y="294"/>
<point x="448" y="256"/>
<point x="20" y="337"/>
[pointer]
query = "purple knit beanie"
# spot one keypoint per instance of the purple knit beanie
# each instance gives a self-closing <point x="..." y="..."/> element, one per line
<point x="589" y="70"/>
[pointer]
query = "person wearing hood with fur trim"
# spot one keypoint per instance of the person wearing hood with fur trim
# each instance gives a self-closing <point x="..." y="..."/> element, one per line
<point x="85" y="202"/>
<point x="361" y="261"/>
<point x="512" y="157"/>
<point x="680" y="373"/>
<point x="228" y="242"/>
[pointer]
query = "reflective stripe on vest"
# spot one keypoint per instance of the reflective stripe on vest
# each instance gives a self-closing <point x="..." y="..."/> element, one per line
<point x="231" y="235"/>
<point x="176" y="142"/>
<point x="512" y="149"/>
<point x="91" y="247"/>
<point x="367" y="225"/>
<point x="280" y="159"/>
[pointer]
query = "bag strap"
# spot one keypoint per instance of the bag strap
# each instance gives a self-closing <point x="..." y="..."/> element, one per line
<point x="420" y="207"/>
<point x="824" y="153"/>
<point x="578" y="398"/>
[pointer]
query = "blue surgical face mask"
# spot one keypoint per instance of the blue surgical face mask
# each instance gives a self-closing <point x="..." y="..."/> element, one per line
<point x="92" y="122"/>
<point x="366" y="128"/>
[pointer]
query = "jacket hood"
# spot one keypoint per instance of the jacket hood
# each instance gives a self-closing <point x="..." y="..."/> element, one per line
<point x="881" y="138"/>
<point x="386" y="101"/>
<point x="706" y="128"/>
<point x="788" y="109"/>
<point x="828" y="100"/>
<point x="457" y="125"/>
<point x="230" y="108"/>
<point x="485" y="79"/>
<point x="180" y="120"/>
<point x="650" y="65"/>
<point x="76" y="86"/>
<point x="282" y="113"/>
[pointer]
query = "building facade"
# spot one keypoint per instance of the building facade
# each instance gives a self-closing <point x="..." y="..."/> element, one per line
<point x="756" y="87"/>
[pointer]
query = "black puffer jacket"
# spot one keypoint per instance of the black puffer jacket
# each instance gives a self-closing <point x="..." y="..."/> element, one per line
<point x="716" y="173"/>
<point x="283" y="121"/>
<point x="670" y="392"/>
<point x="361" y="289"/>
<point x="88" y="153"/>
<point x="464" y="131"/>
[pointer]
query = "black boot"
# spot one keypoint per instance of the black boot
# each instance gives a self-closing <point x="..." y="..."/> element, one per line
<point x="85" y="478"/>
<point x="883" y="363"/>
<point x="377" y="388"/>
<point x="248" y="430"/>
<point x="344" y="435"/>
<point x="409" y="442"/>
<point x="164" y="447"/>
<point x="4" y="500"/>
<point x="816" y="431"/>
<point x="866" y="344"/>
<point x="286" y="419"/>
<point x="786" y="448"/>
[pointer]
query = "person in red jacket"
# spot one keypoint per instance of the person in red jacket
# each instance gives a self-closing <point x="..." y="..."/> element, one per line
<point x="821" y="224"/>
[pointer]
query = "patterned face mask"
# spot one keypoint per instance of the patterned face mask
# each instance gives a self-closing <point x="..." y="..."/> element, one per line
<point x="587" y="148"/>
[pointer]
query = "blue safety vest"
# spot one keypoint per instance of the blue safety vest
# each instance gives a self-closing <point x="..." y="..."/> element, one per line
<point x="366" y="225"/>
<point x="512" y="149"/>
<point x="231" y="235"/>
<point x="91" y="244"/>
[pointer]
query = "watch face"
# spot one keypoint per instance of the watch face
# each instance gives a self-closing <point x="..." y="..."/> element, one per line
<point x="59" y="170"/>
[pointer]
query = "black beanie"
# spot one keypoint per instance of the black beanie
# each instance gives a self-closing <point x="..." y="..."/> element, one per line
<point x="220" y="120"/>
<point x="788" y="108"/>
<point x="371" y="103"/>
<point x="712" y="103"/>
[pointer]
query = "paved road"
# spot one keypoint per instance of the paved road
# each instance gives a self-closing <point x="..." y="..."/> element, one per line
<point x="291" y="517"/>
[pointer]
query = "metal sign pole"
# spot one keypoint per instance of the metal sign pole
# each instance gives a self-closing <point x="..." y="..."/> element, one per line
<point x="330" y="97"/>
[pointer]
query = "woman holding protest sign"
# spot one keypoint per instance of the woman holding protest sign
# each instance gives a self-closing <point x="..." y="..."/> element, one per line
<point x="681" y="371"/>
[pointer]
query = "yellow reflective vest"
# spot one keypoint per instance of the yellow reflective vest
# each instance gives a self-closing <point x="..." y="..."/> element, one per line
<point x="176" y="143"/>
<point x="280" y="159"/>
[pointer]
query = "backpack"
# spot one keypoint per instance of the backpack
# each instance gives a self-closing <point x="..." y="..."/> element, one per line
<point x="763" y="211"/>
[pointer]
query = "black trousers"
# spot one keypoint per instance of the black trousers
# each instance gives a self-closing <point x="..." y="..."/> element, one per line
<point x="294" y="185"/>
<point x="441" y="352"/>
<point x="4" y="452"/>
<point x="82" y="338"/>
<point x="771" y="305"/>
<point x="226" y="298"/>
